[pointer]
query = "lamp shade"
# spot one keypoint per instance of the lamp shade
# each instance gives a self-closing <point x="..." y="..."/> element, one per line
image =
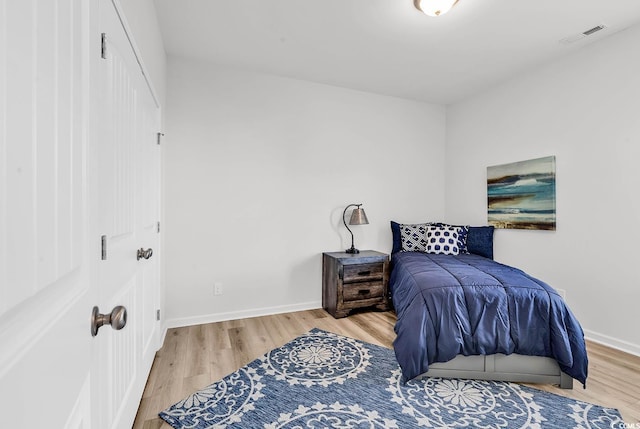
<point x="358" y="217"/>
<point x="434" y="7"/>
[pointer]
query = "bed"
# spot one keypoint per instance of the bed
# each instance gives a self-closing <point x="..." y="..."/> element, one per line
<point x="460" y="314"/>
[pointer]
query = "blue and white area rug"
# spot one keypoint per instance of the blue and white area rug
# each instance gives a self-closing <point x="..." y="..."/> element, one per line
<point x="324" y="380"/>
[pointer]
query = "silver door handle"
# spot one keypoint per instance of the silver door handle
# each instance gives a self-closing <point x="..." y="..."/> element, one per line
<point x="117" y="319"/>
<point x="146" y="254"/>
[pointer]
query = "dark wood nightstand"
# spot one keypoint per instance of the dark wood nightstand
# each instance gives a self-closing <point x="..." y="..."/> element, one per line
<point x="354" y="280"/>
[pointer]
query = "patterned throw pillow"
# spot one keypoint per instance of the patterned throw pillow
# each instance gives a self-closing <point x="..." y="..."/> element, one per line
<point x="446" y="239"/>
<point x="413" y="237"/>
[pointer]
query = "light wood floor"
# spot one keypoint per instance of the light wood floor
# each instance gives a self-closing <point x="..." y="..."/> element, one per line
<point x="194" y="357"/>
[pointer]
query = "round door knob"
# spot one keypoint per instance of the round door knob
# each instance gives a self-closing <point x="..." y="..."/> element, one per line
<point x="117" y="319"/>
<point x="146" y="254"/>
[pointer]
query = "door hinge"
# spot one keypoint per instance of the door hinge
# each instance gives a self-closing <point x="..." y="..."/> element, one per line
<point x="103" y="46"/>
<point x="160" y="135"/>
<point x="158" y="227"/>
<point x="158" y="314"/>
<point x="103" y="244"/>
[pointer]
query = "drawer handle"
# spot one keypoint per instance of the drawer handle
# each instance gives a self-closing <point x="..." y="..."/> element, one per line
<point x="363" y="292"/>
<point x="364" y="273"/>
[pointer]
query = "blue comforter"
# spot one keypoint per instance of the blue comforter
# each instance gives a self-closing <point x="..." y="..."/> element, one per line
<point x="470" y="305"/>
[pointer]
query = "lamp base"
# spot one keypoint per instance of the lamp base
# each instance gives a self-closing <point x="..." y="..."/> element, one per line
<point x="352" y="250"/>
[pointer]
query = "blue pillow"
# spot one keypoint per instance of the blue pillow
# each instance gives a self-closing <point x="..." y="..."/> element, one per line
<point x="397" y="239"/>
<point x="480" y="241"/>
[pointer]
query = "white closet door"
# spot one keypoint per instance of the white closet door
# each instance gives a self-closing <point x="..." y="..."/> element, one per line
<point x="127" y="167"/>
<point x="45" y="291"/>
<point x="78" y="160"/>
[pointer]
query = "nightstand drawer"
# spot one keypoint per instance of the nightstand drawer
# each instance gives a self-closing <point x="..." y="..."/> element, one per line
<point x="362" y="290"/>
<point x="362" y="272"/>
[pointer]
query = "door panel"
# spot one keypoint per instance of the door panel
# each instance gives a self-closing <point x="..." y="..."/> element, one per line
<point x="127" y="211"/>
<point x="45" y="292"/>
<point x="148" y="216"/>
<point x="79" y="418"/>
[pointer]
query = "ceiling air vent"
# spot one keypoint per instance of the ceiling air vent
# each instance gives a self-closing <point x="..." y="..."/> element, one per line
<point x="593" y="30"/>
<point x="589" y="32"/>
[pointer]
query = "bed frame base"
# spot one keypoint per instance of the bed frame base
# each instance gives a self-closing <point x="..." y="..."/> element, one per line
<point x="499" y="367"/>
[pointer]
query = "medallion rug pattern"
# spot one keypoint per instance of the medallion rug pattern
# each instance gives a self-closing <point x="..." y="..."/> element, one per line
<point x="324" y="380"/>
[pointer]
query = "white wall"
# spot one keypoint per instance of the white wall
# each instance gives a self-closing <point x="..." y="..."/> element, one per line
<point x="258" y="171"/>
<point x="585" y="110"/>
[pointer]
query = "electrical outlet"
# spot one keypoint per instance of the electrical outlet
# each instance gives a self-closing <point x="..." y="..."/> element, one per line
<point x="217" y="288"/>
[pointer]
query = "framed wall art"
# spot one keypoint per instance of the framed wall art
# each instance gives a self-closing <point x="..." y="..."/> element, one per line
<point x="522" y="195"/>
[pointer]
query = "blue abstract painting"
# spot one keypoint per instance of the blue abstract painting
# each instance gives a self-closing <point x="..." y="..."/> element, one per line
<point x="522" y="195"/>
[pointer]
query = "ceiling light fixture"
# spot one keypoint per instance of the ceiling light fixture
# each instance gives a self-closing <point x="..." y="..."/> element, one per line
<point x="434" y="7"/>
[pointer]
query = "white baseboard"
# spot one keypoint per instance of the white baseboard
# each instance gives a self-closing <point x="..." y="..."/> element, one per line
<point x="242" y="314"/>
<point x="614" y="343"/>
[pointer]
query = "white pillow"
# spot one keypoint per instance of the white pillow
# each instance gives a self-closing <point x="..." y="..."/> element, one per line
<point x="444" y="239"/>
<point x="413" y="237"/>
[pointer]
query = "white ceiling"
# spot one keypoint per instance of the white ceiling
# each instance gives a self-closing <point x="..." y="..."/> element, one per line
<point x="387" y="46"/>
